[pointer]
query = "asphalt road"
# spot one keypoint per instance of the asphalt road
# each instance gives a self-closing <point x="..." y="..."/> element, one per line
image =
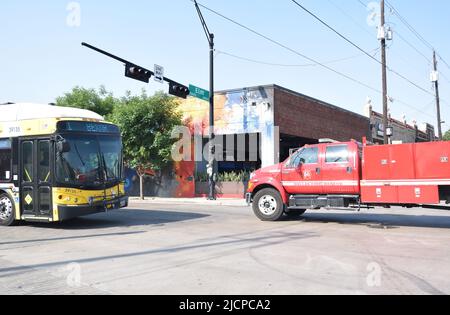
<point x="200" y="249"/>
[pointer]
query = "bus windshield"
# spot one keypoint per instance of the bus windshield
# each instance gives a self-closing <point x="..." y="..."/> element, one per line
<point x="90" y="161"/>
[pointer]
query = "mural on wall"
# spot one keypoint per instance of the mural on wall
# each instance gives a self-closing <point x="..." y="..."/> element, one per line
<point x="236" y="112"/>
<point x="246" y="111"/>
<point x="176" y="183"/>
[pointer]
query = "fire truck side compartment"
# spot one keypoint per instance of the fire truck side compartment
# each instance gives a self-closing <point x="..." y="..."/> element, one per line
<point x="406" y="173"/>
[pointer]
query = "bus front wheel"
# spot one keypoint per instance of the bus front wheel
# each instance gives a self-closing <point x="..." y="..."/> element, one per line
<point x="7" y="210"/>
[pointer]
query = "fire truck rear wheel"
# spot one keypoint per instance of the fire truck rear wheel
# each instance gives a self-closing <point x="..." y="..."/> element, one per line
<point x="7" y="210"/>
<point x="268" y="205"/>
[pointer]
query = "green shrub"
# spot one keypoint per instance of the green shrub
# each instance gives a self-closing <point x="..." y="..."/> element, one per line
<point x="233" y="177"/>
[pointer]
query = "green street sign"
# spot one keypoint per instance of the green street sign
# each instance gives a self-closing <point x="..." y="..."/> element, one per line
<point x="199" y="93"/>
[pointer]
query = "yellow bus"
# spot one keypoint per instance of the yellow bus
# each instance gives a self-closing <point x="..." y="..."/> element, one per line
<point x="57" y="163"/>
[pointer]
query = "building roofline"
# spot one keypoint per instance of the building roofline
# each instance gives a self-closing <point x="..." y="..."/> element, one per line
<point x="406" y="125"/>
<point x="394" y="120"/>
<point x="304" y="96"/>
<point x="255" y="87"/>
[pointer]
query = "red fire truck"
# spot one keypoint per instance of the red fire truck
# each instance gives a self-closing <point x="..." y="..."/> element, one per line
<point x="353" y="175"/>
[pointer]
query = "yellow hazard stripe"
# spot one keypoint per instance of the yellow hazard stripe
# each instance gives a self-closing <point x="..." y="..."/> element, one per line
<point x="28" y="175"/>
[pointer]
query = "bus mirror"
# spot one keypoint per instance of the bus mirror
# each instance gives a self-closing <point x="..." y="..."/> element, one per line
<point x="63" y="146"/>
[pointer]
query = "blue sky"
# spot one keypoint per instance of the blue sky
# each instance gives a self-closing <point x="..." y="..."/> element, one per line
<point x="41" y="55"/>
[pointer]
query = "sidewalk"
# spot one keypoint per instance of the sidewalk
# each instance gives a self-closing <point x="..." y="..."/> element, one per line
<point x="202" y="201"/>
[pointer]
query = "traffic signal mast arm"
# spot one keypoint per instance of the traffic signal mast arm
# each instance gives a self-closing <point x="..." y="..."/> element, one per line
<point x="140" y="73"/>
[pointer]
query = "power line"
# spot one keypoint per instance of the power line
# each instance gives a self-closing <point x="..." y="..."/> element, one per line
<point x="350" y="17"/>
<point x="445" y="77"/>
<point x="406" y="41"/>
<point x="409" y="43"/>
<point x="334" y="30"/>
<point x="415" y="108"/>
<point x="288" y="65"/>
<point x="359" y="48"/>
<point x="442" y="59"/>
<point x="416" y="33"/>
<point x="290" y="49"/>
<point x="362" y="3"/>
<point x="403" y="20"/>
<point x="409" y="26"/>
<point x="413" y="47"/>
<point x="303" y="56"/>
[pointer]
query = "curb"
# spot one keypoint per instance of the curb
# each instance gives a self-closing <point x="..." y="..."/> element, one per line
<point x="192" y="201"/>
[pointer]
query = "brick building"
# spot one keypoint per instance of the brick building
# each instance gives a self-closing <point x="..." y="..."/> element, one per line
<point x="305" y="120"/>
<point x="256" y="112"/>
<point x="403" y="132"/>
<point x="257" y="127"/>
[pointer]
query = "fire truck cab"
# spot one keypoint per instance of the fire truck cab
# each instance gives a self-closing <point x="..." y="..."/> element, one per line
<point x="349" y="174"/>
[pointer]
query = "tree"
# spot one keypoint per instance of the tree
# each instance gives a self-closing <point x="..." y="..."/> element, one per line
<point x="146" y="124"/>
<point x="99" y="101"/>
<point x="447" y="136"/>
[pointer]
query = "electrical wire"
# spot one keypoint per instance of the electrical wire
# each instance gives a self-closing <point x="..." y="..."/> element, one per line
<point x="421" y="38"/>
<point x="359" y="48"/>
<point x="418" y="110"/>
<point x="302" y="55"/>
<point x="445" y="77"/>
<point x="289" y="65"/>
<point x="362" y="3"/>
<point x="350" y="17"/>
<point x="414" y="48"/>
<point x="445" y="62"/>
<point x="409" y="26"/>
<point x="289" y="49"/>
<point x="416" y="33"/>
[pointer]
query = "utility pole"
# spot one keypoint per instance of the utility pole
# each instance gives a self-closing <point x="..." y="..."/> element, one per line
<point x="435" y="78"/>
<point x="384" y="72"/>
<point x="212" y="163"/>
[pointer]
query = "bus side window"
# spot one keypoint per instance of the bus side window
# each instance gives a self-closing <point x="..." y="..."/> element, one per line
<point x="27" y="154"/>
<point x="5" y="160"/>
<point x="44" y="161"/>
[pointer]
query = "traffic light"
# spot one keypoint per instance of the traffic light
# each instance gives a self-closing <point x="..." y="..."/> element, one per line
<point x="137" y="73"/>
<point x="179" y="90"/>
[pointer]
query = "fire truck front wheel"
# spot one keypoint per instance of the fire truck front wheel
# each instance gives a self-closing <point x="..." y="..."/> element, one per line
<point x="268" y="205"/>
